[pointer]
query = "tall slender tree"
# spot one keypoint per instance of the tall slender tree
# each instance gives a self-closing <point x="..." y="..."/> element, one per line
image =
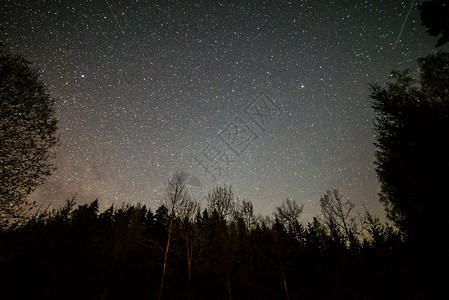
<point x="338" y="218"/>
<point x="176" y="195"/>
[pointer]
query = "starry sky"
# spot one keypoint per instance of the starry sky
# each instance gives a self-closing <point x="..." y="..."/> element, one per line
<point x="271" y="97"/>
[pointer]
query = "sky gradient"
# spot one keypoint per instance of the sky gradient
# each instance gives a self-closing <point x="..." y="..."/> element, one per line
<point x="271" y="97"/>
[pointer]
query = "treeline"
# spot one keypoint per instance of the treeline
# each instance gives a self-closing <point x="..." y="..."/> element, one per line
<point x="222" y="251"/>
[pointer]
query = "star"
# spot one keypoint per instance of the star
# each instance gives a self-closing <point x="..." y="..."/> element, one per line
<point x="164" y="82"/>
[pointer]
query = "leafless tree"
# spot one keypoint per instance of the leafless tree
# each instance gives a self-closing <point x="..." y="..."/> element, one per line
<point x="337" y="215"/>
<point x="187" y="212"/>
<point x="176" y="196"/>
<point x="288" y="212"/>
<point x="244" y="210"/>
<point x="221" y="200"/>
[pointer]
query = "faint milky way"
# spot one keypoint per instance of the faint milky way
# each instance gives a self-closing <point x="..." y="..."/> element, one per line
<point x="145" y="86"/>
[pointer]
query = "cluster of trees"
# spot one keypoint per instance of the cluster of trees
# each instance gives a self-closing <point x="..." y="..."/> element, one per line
<point x="223" y="251"/>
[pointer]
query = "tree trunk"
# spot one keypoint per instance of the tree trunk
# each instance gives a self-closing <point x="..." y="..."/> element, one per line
<point x="281" y="266"/>
<point x="285" y="284"/>
<point x="170" y="228"/>
<point x="228" y="287"/>
<point x="189" y="261"/>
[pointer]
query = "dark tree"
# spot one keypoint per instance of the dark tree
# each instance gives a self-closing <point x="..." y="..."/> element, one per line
<point x="220" y="238"/>
<point x="337" y="215"/>
<point x="434" y="15"/>
<point x="187" y="212"/>
<point x="176" y="196"/>
<point x="412" y="161"/>
<point x="27" y="133"/>
<point x="288" y="213"/>
<point x="435" y="75"/>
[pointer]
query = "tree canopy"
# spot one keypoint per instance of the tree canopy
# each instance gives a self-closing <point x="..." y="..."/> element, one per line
<point x="412" y="129"/>
<point x="434" y="15"/>
<point x="28" y="131"/>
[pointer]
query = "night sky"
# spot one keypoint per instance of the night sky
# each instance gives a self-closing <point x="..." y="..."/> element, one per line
<point x="270" y="97"/>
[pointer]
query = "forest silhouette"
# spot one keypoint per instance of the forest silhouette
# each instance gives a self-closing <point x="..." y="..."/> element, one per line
<point x="223" y="250"/>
